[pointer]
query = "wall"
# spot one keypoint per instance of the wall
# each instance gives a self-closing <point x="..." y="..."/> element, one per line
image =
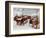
<point x="2" y="20"/>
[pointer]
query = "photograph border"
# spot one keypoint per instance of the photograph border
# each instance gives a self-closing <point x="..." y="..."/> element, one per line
<point x="7" y="18"/>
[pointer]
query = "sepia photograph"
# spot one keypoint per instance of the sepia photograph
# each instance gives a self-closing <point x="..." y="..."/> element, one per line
<point x="26" y="18"/>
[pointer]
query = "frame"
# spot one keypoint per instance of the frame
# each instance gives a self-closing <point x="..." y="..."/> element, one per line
<point x="29" y="18"/>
